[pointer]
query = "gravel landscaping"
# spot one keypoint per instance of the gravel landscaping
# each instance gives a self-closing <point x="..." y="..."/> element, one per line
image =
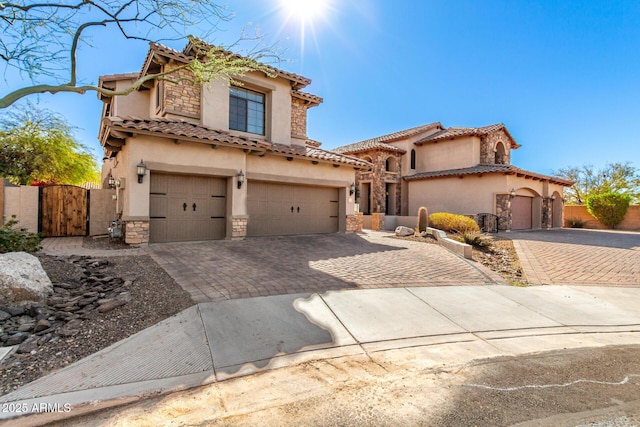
<point x="96" y="302"/>
<point x="501" y="257"/>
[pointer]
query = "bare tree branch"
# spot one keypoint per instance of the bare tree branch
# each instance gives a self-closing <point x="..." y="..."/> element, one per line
<point x="43" y="39"/>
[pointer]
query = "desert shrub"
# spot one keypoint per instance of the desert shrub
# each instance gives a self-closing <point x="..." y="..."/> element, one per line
<point x="452" y="223"/>
<point x="475" y="239"/>
<point x="608" y="208"/>
<point x="14" y="239"/>
<point x="575" y="223"/>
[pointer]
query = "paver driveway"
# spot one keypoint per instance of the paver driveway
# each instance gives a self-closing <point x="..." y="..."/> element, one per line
<point x="579" y="257"/>
<point x="219" y="270"/>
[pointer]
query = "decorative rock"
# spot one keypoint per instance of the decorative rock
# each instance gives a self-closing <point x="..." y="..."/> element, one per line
<point x="28" y="346"/>
<point x="17" y="338"/>
<point x="110" y="305"/>
<point x="4" y="315"/>
<point x="70" y="329"/>
<point x="26" y="327"/>
<point x="23" y="278"/>
<point x="403" y="231"/>
<point x="42" y="325"/>
<point x="17" y="310"/>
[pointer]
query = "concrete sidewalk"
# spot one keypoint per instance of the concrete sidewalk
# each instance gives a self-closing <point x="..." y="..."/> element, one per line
<point x="215" y="341"/>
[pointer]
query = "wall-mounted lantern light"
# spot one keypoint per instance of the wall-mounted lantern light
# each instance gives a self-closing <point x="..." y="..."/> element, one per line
<point x="352" y="188"/>
<point x="553" y="197"/>
<point x="240" y="179"/>
<point x="142" y="171"/>
<point x="111" y="181"/>
<point x="512" y="193"/>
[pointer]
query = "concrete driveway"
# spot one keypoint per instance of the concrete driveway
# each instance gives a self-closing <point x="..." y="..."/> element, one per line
<point x="579" y="257"/>
<point x="223" y="270"/>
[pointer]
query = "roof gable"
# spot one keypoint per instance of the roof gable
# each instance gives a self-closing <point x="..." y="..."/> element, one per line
<point x="461" y="132"/>
<point x="382" y="142"/>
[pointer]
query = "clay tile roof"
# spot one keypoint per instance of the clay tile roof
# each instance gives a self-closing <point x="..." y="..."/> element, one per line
<point x="182" y="130"/>
<point x="317" y="154"/>
<point x="379" y="143"/>
<point x="310" y="98"/>
<point x="186" y="56"/>
<point x="486" y="169"/>
<point x="115" y="77"/>
<point x="457" y="132"/>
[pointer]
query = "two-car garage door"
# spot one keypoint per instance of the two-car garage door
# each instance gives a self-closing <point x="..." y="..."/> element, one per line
<point x="277" y="209"/>
<point x="188" y="208"/>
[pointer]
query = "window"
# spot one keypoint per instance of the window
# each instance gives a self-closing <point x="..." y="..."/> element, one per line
<point x="413" y="159"/>
<point x="159" y="93"/>
<point x="500" y="154"/>
<point x="246" y="111"/>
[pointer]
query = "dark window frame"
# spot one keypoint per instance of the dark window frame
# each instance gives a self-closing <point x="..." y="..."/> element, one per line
<point x="413" y="158"/>
<point x="247" y="110"/>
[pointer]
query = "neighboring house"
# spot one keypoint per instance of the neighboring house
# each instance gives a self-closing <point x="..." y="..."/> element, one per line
<point x="458" y="170"/>
<point x="193" y="162"/>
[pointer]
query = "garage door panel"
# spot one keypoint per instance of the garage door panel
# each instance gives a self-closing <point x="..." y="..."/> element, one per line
<point x="315" y="209"/>
<point x="193" y="207"/>
<point x="521" y="213"/>
<point x="158" y="206"/>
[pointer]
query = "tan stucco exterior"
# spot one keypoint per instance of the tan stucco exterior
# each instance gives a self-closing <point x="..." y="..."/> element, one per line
<point x="192" y="137"/>
<point x="458" y="170"/>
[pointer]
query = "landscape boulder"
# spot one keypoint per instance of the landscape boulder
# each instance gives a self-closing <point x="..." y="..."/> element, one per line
<point x="403" y="231"/>
<point x="22" y="278"/>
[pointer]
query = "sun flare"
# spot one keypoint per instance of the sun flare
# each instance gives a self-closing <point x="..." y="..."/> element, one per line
<point x="304" y="10"/>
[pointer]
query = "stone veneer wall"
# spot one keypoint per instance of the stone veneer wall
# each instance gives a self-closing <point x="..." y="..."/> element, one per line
<point x="354" y="223"/>
<point x="298" y="118"/>
<point x="136" y="232"/>
<point x="184" y="98"/>
<point x="239" y="227"/>
<point x="488" y="147"/>
<point x="379" y="178"/>
<point x="547" y="220"/>
<point x="377" y="221"/>
<point x="503" y="210"/>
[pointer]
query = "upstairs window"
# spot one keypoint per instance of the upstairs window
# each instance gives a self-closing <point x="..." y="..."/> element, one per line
<point x="501" y="155"/>
<point x="246" y="111"/>
<point x="413" y="159"/>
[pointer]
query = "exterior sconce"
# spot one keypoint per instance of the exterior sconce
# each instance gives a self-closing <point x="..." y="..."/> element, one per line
<point x="240" y="179"/>
<point x="111" y="181"/>
<point x="512" y="193"/>
<point x="142" y="171"/>
<point x="352" y="188"/>
<point x="553" y="197"/>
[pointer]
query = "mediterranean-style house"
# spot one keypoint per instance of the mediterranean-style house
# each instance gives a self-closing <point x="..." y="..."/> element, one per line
<point x="214" y="161"/>
<point x="458" y="170"/>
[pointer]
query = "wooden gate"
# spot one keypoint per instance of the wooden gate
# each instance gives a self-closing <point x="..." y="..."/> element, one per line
<point x="63" y="211"/>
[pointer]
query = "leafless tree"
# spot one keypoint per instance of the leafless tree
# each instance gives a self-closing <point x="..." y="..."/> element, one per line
<point x="41" y="40"/>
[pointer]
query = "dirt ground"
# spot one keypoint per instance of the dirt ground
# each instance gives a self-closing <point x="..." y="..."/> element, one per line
<point x="583" y="387"/>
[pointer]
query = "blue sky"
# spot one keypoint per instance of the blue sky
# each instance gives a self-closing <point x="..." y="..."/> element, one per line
<point x="563" y="76"/>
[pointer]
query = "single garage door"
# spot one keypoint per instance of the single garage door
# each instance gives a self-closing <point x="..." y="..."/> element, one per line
<point x="521" y="208"/>
<point x="184" y="208"/>
<point x="286" y="209"/>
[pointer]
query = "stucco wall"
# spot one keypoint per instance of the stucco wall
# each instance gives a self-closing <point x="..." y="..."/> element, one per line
<point x="215" y="106"/>
<point x="631" y="220"/>
<point x="450" y="154"/>
<point x="22" y="202"/>
<point x="469" y="195"/>
<point x="135" y="104"/>
<point x="102" y="208"/>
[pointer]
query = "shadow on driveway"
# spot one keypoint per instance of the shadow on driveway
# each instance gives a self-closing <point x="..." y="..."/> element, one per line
<point x="222" y="270"/>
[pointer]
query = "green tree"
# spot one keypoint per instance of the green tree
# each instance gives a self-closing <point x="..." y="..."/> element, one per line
<point x="608" y="208"/>
<point x="42" y="40"/>
<point x="38" y="145"/>
<point x="622" y="178"/>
